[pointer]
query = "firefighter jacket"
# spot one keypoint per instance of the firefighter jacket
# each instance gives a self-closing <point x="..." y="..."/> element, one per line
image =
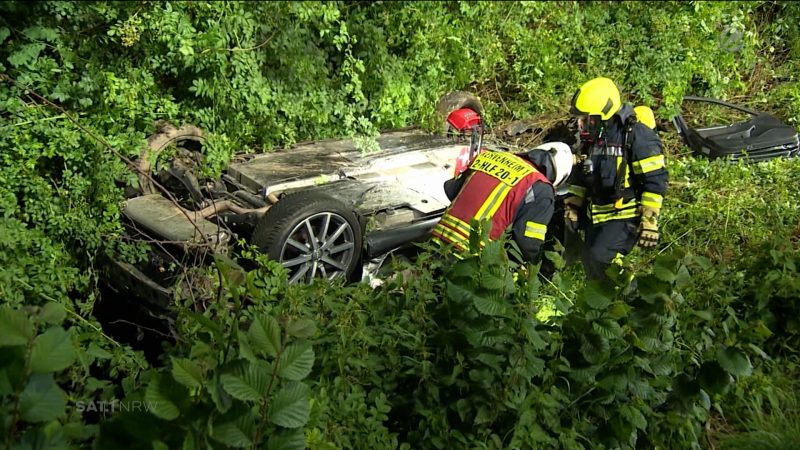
<point x="507" y="191"/>
<point x="626" y="170"/>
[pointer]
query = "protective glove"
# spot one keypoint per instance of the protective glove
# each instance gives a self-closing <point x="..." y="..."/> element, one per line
<point x="648" y="227"/>
<point x="571" y="208"/>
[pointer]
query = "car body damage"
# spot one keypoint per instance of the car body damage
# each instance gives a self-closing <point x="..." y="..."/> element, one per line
<point x="322" y="208"/>
<point x="406" y="172"/>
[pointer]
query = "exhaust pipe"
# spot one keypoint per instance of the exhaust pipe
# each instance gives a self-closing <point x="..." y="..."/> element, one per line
<point x="383" y="241"/>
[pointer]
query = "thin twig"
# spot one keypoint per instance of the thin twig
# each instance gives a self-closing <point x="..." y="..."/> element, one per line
<point x="141" y="326"/>
<point x="69" y="310"/>
<point x="19" y="124"/>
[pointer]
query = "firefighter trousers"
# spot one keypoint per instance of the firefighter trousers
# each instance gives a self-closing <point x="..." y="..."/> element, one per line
<point x="604" y="241"/>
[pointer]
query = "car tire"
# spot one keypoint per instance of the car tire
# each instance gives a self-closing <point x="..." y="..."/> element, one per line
<point x="453" y="101"/>
<point x="457" y="100"/>
<point x="312" y="235"/>
<point x="166" y="135"/>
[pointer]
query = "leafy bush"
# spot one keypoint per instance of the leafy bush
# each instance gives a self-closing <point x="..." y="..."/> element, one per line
<point x="453" y="357"/>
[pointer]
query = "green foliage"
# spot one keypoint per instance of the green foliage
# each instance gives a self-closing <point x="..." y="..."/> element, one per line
<point x="238" y="382"/>
<point x="456" y="356"/>
<point x="770" y="420"/>
<point x="34" y="347"/>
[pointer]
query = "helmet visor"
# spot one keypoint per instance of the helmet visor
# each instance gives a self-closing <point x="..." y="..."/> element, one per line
<point x="589" y="126"/>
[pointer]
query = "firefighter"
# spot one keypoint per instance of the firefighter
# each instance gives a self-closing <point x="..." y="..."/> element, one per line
<point x="618" y="190"/>
<point x="508" y="191"/>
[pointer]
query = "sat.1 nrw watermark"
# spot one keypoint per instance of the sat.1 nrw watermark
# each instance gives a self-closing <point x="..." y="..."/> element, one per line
<point x="114" y="406"/>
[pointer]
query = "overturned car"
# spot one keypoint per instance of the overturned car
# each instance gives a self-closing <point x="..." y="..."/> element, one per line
<point x="323" y="209"/>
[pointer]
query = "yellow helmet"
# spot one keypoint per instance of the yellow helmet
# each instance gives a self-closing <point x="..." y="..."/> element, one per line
<point x="645" y="115"/>
<point x="597" y="97"/>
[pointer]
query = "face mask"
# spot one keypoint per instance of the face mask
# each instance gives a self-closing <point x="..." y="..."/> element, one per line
<point x="591" y="127"/>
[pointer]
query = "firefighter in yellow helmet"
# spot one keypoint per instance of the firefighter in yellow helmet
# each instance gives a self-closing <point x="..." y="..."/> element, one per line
<point x="616" y="195"/>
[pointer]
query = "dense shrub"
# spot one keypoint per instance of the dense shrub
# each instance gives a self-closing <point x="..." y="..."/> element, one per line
<point x="82" y="84"/>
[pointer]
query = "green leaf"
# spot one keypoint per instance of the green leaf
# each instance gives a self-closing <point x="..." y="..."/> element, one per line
<point x="187" y="372"/>
<point x="734" y="361"/>
<point x="705" y="315"/>
<point x="98" y="352"/>
<point x="236" y="433"/>
<point x="534" y="338"/>
<point x="757" y="350"/>
<point x="290" y="408"/>
<point x="489" y="306"/>
<point x="302" y="328"/>
<point x="664" y="273"/>
<point x="465" y="269"/>
<point x="633" y="416"/>
<point x="207" y="323"/>
<point x="189" y="442"/>
<point x="6" y="388"/>
<point x="293" y="439"/>
<point x="265" y="334"/>
<point x="53" y="313"/>
<point x="162" y="405"/>
<point x="15" y="328"/>
<point x="296" y="361"/>
<point x="245" y="349"/>
<point x="492" y="361"/>
<point x="26" y="54"/>
<point x="534" y="367"/>
<point x="233" y="274"/>
<point x="484" y="305"/>
<point x="492" y="282"/>
<point x="683" y="278"/>
<point x="594" y="347"/>
<point x="52" y="351"/>
<point x="42" y="400"/>
<point x="249" y="384"/>
<point x="607" y="328"/>
<point x="41" y="33"/>
<point x="4" y="34"/>
<point x="222" y="400"/>
<point x="595" y="296"/>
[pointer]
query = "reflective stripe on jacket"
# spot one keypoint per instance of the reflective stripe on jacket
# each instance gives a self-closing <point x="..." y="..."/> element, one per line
<point x="611" y="197"/>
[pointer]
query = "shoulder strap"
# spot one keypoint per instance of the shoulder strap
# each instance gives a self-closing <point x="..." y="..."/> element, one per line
<point x="627" y="145"/>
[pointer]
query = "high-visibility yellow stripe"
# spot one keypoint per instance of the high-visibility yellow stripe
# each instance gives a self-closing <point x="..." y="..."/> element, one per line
<point x="612" y="211"/>
<point x="649" y="164"/>
<point x="600" y="218"/>
<point x="652" y="200"/>
<point x="599" y="209"/>
<point x="450" y="237"/>
<point x="456" y="224"/>
<point x="535" y="230"/>
<point x="450" y="233"/>
<point x="576" y="190"/>
<point x="442" y="244"/>
<point x="493" y="202"/>
<point x="627" y="183"/>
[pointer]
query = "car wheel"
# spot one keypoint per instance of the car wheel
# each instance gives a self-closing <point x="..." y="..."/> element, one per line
<point x="312" y="235"/>
<point x="188" y="138"/>
<point x="457" y="100"/>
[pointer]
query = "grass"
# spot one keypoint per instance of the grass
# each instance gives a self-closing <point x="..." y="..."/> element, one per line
<point x="771" y="422"/>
